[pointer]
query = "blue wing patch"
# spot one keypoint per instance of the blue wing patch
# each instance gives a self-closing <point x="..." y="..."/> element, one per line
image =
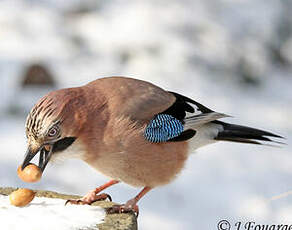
<point x="163" y="127"/>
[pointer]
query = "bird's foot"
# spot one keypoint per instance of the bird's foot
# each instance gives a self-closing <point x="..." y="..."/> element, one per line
<point x="90" y="198"/>
<point x="129" y="207"/>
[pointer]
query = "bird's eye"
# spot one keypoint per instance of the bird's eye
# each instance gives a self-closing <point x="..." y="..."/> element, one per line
<point x="53" y="131"/>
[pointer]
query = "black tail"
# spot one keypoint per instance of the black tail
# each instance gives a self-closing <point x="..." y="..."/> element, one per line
<point x="243" y="134"/>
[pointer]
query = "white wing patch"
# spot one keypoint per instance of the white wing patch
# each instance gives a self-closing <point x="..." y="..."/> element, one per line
<point x="196" y="121"/>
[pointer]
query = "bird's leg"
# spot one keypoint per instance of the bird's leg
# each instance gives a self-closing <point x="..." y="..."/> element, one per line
<point x="93" y="195"/>
<point x="131" y="205"/>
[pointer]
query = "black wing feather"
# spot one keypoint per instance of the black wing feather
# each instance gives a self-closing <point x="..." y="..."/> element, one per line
<point x="179" y="109"/>
<point x="181" y="106"/>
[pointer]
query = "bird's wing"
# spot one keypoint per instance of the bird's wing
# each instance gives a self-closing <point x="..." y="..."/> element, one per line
<point x="170" y="116"/>
<point x="139" y="100"/>
<point x="179" y="121"/>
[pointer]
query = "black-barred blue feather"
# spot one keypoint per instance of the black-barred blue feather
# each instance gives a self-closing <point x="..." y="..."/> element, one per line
<point x="163" y="127"/>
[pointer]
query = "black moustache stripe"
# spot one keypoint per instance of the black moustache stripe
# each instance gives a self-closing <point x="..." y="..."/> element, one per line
<point x="63" y="144"/>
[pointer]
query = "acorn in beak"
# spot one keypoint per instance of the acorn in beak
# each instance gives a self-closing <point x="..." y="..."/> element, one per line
<point x="45" y="152"/>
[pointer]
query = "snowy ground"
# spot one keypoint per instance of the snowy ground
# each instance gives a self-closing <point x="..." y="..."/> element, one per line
<point x="193" y="48"/>
<point x="48" y="213"/>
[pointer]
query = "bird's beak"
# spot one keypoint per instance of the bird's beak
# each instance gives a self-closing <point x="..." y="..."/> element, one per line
<point x="45" y="155"/>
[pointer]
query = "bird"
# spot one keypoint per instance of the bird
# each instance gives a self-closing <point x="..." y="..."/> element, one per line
<point x="129" y="130"/>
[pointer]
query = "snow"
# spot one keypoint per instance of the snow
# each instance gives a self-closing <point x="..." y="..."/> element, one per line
<point x="201" y="49"/>
<point x="48" y="213"/>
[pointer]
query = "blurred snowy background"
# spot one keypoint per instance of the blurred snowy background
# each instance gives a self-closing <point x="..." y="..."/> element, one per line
<point x="233" y="56"/>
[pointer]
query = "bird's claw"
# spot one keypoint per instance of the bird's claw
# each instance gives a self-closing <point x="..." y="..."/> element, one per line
<point x="123" y="209"/>
<point x="103" y="196"/>
<point x="83" y="201"/>
<point x="76" y="202"/>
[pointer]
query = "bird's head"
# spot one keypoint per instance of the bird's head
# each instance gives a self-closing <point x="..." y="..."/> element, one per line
<point x="52" y="125"/>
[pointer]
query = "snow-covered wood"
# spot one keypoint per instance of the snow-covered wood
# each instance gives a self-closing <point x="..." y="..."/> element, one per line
<point x="48" y="211"/>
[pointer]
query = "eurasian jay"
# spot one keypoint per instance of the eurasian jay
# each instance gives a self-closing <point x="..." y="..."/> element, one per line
<point x="129" y="130"/>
